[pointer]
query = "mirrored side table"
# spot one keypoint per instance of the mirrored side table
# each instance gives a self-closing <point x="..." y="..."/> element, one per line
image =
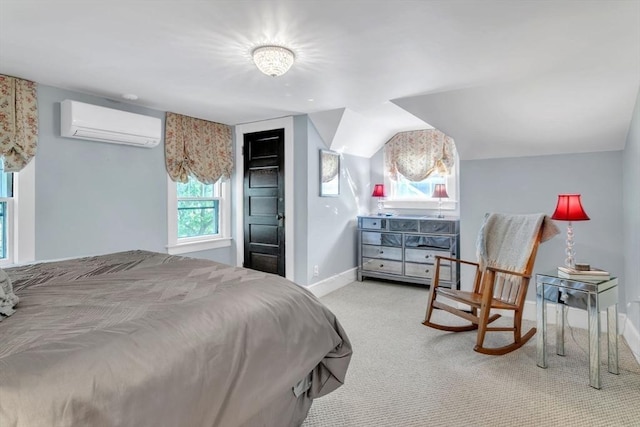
<point x="585" y="295"/>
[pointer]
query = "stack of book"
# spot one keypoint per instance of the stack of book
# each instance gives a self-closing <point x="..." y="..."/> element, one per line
<point x="593" y="275"/>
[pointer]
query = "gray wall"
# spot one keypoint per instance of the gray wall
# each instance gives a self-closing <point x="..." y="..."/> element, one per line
<point x="631" y="217"/>
<point x="301" y="177"/>
<point x="331" y="232"/>
<point x="94" y="198"/>
<point x="531" y="184"/>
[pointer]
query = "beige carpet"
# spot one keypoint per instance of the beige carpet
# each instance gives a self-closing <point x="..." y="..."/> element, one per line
<point x="404" y="374"/>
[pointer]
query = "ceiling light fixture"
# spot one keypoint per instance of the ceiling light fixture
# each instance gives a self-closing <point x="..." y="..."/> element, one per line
<point x="274" y="61"/>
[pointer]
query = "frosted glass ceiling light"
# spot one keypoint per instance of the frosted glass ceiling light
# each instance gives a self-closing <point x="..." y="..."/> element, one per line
<point x="274" y="61"/>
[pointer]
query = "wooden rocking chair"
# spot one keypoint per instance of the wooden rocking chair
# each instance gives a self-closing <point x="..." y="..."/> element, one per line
<point x="499" y="283"/>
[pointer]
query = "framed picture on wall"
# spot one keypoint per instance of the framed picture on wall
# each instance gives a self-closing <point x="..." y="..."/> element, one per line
<point x="329" y="173"/>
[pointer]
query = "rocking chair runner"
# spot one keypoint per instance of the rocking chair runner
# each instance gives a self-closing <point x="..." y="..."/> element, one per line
<point x="507" y="247"/>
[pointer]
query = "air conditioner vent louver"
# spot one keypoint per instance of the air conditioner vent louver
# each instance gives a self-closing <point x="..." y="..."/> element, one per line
<point x="95" y="123"/>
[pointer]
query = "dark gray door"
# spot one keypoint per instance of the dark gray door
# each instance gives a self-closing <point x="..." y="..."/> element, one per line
<point x="264" y="201"/>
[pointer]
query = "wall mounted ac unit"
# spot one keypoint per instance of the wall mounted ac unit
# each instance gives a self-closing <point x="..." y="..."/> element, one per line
<point x="86" y="121"/>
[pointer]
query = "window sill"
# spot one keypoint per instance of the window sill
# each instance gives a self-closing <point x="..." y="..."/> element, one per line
<point x="419" y="204"/>
<point x="202" y="245"/>
<point x="6" y="263"/>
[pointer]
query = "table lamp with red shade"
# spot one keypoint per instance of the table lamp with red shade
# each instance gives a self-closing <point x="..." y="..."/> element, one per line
<point x="378" y="191"/>
<point x="570" y="209"/>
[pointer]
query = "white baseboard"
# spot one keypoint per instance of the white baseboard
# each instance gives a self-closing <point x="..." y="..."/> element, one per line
<point x="333" y="283"/>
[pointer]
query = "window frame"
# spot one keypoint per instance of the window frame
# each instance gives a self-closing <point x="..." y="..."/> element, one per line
<point x="10" y="231"/>
<point x="183" y="245"/>
<point x="21" y="217"/>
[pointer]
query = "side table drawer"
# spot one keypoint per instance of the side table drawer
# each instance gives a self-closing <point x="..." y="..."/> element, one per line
<point x="386" y="252"/>
<point x="427" y="271"/>
<point x="382" y="265"/>
<point x="419" y="255"/>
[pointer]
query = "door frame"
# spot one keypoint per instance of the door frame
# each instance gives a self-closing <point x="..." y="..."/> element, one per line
<point x="285" y="123"/>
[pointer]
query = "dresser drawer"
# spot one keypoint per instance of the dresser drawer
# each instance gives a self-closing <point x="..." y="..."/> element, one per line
<point x="426" y="271"/>
<point x="384" y="239"/>
<point x="385" y="252"/>
<point x="372" y="223"/>
<point x="437" y="227"/>
<point x="382" y="265"/>
<point x="404" y="225"/>
<point x="423" y="255"/>
<point x="444" y="243"/>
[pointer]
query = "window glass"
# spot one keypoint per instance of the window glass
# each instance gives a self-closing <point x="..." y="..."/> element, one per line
<point x="198" y="209"/>
<point x="403" y="189"/>
<point x="6" y="193"/>
<point x="6" y="182"/>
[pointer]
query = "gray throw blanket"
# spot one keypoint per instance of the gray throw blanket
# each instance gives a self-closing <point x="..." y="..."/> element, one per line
<point x="8" y="299"/>
<point x="505" y="240"/>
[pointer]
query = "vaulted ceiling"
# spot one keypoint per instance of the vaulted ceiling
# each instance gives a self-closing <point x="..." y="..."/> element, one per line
<point x="503" y="78"/>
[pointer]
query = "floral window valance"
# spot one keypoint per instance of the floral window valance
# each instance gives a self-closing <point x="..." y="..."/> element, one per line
<point x="198" y="148"/>
<point x="417" y="154"/>
<point x="18" y="122"/>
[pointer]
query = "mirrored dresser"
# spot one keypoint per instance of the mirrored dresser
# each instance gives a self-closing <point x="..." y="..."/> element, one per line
<point x="403" y="248"/>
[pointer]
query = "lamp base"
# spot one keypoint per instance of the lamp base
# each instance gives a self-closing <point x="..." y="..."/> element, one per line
<point x="570" y="260"/>
<point x="440" y="208"/>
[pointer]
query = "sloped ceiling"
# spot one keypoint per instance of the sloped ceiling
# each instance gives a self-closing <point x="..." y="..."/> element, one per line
<point x="504" y="78"/>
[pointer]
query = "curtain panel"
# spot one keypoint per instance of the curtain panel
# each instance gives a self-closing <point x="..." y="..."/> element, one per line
<point x="18" y="122"/>
<point x="417" y="154"/>
<point x="198" y="148"/>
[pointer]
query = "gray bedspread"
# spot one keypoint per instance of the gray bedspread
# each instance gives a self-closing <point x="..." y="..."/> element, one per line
<point x="146" y="339"/>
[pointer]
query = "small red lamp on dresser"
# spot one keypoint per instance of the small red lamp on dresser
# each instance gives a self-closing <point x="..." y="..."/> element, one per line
<point x="569" y="208"/>
<point x="378" y="191"/>
<point x="440" y="192"/>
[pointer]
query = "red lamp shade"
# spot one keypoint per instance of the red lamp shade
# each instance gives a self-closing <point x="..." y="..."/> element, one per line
<point x="569" y="208"/>
<point x="378" y="190"/>
<point x="440" y="192"/>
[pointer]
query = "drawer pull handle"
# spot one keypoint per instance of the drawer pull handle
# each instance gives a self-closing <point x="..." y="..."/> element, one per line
<point x="381" y="265"/>
<point x="375" y="223"/>
<point x="381" y="252"/>
<point x="427" y="270"/>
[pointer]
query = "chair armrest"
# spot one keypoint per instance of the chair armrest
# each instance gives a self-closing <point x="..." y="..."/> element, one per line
<point x="461" y="261"/>
<point x="436" y="280"/>
<point x="510" y="272"/>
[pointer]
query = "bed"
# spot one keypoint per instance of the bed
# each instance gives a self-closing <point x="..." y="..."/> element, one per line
<point x="140" y="338"/>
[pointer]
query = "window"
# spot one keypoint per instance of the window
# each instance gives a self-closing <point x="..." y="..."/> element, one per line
<point x="17" y="215"/>
<point x="411" y="156"/>
<point x="198" y="206"/>
<point x="404" y="194"/>
<point x="403" y="189"/>
<point x="6" y="215"/>
<point x="199" y="216"/>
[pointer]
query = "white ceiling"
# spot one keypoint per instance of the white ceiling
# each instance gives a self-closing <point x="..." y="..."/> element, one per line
<point x="503" y="78"/>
